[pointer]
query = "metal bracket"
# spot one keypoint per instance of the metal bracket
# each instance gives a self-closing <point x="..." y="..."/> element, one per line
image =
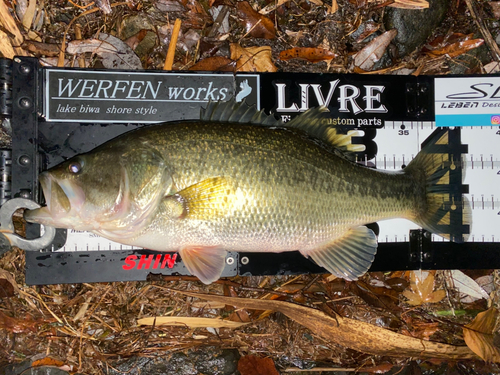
<point x="418" y="97"/>
<point x="421" y="249"/>
<point x="5" y="87"/>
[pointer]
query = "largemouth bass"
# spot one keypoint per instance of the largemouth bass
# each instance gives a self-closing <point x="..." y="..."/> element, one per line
<point x="238" y="180"/>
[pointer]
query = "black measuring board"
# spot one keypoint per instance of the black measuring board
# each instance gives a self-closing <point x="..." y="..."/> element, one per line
<point x="58" y="113"/>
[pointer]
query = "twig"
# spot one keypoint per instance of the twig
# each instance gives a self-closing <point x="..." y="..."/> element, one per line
<point x="218" y="21"/>
<point x="169" y="60"/>
<point x="251" y="29"/>
<point x="80" y="6"/>
<point x="78" y="35"/>
<point x="267" y="291"/>
<point x="484" y="31"/>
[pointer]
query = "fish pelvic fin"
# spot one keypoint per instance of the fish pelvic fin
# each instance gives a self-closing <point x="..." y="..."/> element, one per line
<point x="349" y="256"/>
<point x="206" y="263"/>
<point x="444" y="211"/>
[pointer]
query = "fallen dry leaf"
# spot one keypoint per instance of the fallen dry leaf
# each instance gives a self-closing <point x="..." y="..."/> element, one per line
<point x="192" y="322"/>
<point x="410" y="4"/>
<point x="354" y="334"/>
<point x="8" y="286"/>
<point x="134" y="40"/>
<point x="253" y="365"/>
<point x="185" y="40"/>
<point x="313" y="55"/>
<point x="369" y="28"/>
<point x="256" y="24"/>
<point x="38" y="48"/>
<point x="27" y="19"/>
<point x="89" y="45"/>
<point x="451" y="45"/>
<point x="215" y="64"/>
<point x="373" y="51"/>
<point x="196" y="17"/>
<point x="478" y="335"/>
<point x="379" y="369"/>
<point x="122" y="58"/>
<point x="170" y="6"/>
<point x="15" y="325"/>
<point x="422" y="330"/>
<point x="252" y="59"/>
<point x="422" y="290"/>
<point x="104" y="6"/>
<point x="466" y="286"/>
<point x="53" y="61"/>
<point x="47" y="361"/>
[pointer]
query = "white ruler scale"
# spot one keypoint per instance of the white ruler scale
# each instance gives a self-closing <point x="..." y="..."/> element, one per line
<point x="398" y="142"/>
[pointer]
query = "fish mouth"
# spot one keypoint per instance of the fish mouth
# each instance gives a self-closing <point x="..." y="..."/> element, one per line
<point x="61" y="198"/>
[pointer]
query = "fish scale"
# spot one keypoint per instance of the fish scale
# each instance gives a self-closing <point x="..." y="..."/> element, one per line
<point x="295" y="175"/>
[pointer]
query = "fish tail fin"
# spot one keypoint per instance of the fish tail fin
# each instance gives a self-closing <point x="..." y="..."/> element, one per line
<point x="445" y="210"/>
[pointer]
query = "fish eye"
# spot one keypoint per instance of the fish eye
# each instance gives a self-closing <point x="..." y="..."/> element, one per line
<point x="75" y="167"/>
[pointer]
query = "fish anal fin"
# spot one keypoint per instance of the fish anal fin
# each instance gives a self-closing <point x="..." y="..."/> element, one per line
<point x="210" y="198"/>
<point x="204" y="262"/>
<point x="349" y="256"/>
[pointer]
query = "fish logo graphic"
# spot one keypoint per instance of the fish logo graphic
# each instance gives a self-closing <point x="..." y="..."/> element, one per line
<point x="245" y="91"/>
<point x="495" y="120"/>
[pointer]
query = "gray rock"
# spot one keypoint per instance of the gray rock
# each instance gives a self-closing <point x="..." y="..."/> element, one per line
<point x="414" y="26"/>
<point x="24" y="368"/>
<point x="206" y="361"/>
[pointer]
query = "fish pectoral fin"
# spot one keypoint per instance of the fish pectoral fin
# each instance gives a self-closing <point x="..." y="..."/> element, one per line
<point x="349" y="256"/>
<point x="206" y="263"/>
<point x="208" y="199"/>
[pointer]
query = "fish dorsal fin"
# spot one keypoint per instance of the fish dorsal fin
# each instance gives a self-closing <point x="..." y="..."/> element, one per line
<point x="232" y="111"/>
<point x="311" y="122"/>
<point x="314" y="123"/>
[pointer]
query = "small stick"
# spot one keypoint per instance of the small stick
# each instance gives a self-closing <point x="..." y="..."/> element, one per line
<point x="169" y="60"/>
<point x="78" y="35"/>
<point x="79" y="6"/>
